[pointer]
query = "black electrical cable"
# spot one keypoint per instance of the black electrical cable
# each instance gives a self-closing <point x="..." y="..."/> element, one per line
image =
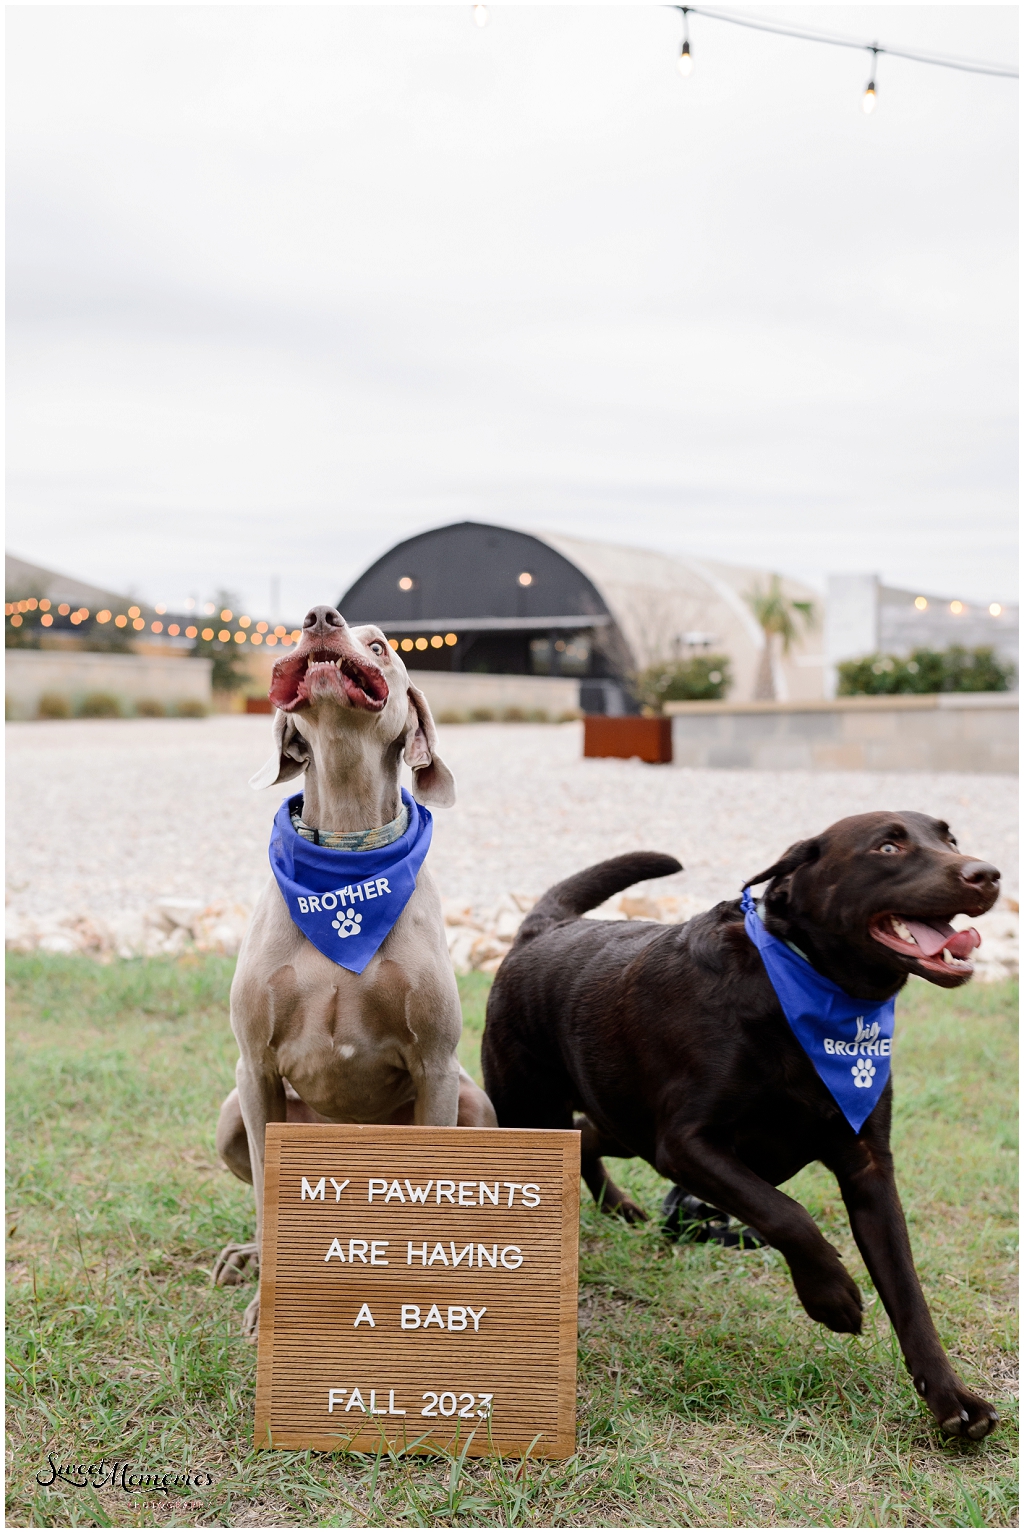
<point x="968" y="66"/>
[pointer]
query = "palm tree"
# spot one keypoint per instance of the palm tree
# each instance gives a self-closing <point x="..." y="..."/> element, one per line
<point x="781" y="618"/>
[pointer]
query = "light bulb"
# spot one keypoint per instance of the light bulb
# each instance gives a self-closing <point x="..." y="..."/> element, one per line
<point x="870" y="96"/>
<point x="685" y="61"/>
<point x="480" y="15"/>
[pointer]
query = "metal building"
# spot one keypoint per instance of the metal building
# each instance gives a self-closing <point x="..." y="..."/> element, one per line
<point x="476" y="598"/>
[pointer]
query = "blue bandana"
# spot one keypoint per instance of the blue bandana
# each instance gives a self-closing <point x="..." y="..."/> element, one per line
<point x="847" y="1041"/>
<point x="347" y="902"/>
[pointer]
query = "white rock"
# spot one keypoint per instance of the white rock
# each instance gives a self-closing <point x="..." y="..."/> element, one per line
<point x="179" y="913"/>
<point x="57" y="942"/>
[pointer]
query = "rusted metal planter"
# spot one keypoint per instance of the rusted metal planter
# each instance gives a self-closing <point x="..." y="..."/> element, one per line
<point x="626" y="736"/>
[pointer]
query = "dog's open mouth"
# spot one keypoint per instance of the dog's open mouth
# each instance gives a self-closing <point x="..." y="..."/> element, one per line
<point x="323" y="673"/>
<point x="933" y="944"/>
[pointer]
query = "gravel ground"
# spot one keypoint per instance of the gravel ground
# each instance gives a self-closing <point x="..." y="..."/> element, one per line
<point x="109" y="816"/>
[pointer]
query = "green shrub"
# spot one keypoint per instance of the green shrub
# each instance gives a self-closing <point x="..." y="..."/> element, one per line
<point x="481" y="715"/>
<point x="955" y="669"/>
<point x="702" y="678"/>
<point x="54" y="705"/>
<point x="150" y="708"/>
<point x="190" y="708"/>
<point x="451" y="716"/>
<point x="99" y="705"/>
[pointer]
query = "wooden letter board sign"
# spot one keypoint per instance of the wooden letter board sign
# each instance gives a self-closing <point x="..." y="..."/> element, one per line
<point x="418" y="1283"/>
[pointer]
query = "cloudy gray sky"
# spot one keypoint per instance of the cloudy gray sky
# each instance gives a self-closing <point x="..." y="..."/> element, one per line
<point x="289" y="283"/>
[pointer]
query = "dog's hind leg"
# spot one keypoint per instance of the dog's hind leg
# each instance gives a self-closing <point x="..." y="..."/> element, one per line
<point x="826" y="1290"/>
<point x="475" y="1110"/>
<point x="609" y="1198"/>
<point x="232" y="1140"/>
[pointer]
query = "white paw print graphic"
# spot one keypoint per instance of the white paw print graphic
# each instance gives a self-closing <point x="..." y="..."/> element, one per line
<point x="863" y="1072"/>
<point x="348" y="925"/>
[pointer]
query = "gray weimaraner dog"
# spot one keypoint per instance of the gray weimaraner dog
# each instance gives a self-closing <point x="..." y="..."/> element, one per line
<point x="316" y="1042"/>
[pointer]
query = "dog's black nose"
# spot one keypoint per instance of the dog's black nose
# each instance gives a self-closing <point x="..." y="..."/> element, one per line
<point x="980" y="875"/>
<point x="319" y="619"/>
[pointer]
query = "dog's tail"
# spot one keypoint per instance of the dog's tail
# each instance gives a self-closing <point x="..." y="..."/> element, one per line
<point x="592" y="887"/>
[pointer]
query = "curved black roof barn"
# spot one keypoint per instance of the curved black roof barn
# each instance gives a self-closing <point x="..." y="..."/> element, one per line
<point x="473" y="597"/>
<point x="471" y="570"/>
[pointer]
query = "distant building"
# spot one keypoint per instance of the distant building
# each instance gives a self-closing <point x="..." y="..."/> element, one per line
<point x="473" y="597"/>
<point x="864" y="617"/>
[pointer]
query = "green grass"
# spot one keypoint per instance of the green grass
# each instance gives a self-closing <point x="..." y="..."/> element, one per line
<point x="706" y="1396"/>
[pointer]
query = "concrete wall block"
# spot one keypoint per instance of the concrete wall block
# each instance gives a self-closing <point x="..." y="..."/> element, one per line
<point x="784" y="756"/>
<point x="846" y="756"/>
<point x="815" y="726"/>
<point x="729" y="756"/>
<point x="754" y="727"/>
<point x="884" y="735"/>
<point x="74" y="674"/>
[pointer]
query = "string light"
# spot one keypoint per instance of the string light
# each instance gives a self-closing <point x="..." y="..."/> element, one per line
<point x="685" y="58"/>
<point x="480" y="15"/>
<point x="869" y="99"/>
<point x="871" y="93"/>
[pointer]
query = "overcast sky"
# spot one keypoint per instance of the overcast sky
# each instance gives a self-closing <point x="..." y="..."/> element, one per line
<point x="287" y="284"/>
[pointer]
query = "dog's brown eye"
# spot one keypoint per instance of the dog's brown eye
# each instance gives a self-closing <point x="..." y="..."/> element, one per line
<point x="888" y="846"/>
<point x="378" y="649"/>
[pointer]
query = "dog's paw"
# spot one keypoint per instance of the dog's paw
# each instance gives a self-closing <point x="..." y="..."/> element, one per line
<point x="830" y="1296"/>
<point x="251" y="1320"/>
<point x="236" y="1264"/>
<point x="959" y="1412"/>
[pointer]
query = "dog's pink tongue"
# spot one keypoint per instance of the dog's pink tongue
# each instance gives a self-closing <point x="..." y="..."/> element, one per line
<point x="932" y="938"/>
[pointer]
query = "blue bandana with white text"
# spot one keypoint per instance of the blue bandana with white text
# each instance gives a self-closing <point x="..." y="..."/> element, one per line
<point x="347" y="902"/>
<point x="849" y="1042"/>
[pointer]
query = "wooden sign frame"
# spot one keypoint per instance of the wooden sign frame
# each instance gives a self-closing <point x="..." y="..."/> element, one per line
<point x="404" y="1263"/>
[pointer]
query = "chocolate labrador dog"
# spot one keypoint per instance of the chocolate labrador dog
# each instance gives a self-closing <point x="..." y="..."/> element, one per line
<point x="673" y="1043"/>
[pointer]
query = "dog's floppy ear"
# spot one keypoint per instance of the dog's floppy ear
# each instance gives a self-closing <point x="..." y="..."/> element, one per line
<point x="291" y="754"/>
<point x="799" y="855"/>
<point x="432" y="783"/>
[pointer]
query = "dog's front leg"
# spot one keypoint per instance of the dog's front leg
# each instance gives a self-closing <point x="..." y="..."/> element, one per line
<point x="868" y="1186"/>
<point x="262" y="1098"/>
<point x="825" y="1288"/>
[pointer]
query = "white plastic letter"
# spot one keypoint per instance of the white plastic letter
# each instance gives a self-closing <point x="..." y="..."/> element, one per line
<point x="309" y="1191"/>
<point x="410" y="1317"/>
<point x="364" y="1317"/>
<point x="334" y="1249"/>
